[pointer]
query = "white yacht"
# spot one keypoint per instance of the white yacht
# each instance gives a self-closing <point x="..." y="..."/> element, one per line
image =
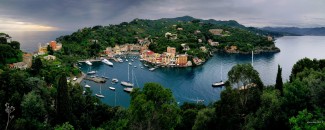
<point x="87" y="86"/>
<point x="152" y="69"/>
<point x="88" y="62"/>
<point x="107" y="62"/>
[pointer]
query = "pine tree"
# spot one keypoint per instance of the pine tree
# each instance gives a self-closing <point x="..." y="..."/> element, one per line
<point x="62" y="101"/>
<point x="279" y="82"/>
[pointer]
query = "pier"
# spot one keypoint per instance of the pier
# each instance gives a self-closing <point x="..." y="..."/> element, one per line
<point x="96" y="79"/>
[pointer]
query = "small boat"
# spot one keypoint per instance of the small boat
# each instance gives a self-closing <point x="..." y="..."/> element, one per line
<point x="218" y="84"/>
<point x="128" y="90"/>
<point x="87" y="86"/>
<point x="127" y="84"/>
<point x="130" y="63"/>
<point x="100" y="95"/>
<point x="152" y="69"/>
<point x="107" y="62"/>
<point x="83" y="92"/>
<point x="141" y="67"/>
<point x="93" y="76"/>
<point x="141" y="59"/>
<point x="132" y="60"/>
<point x="91" y="72"/>
<point x="119" y="60"/>
<point x="126" y="60"/>
<point x="88" y="62"/>
<point x="135" y="66"/>
<point x="112" y="88"/>
<point x="114" y="80"/>
<point x="145" y="65"/>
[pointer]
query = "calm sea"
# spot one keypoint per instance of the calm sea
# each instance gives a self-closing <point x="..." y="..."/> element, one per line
<point x="190" y="84"/>
<point x="29" y="40"/>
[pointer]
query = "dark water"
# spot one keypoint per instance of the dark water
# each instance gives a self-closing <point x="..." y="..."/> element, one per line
<point x="29" y="40"/>
<point x="190" y="84"/>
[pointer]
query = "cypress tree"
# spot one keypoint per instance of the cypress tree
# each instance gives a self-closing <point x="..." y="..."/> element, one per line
<point x="279" y="82"/>
<point x="62" y="101"/>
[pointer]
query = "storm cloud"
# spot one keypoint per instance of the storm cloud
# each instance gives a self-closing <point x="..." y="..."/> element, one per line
<point x="74" y="14"/>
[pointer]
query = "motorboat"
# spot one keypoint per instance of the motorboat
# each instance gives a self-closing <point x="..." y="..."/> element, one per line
<point x="130" y="63"/>
<point x="112" y="88"/>
<point x="107" y="62"/>
<point x="114" y="80"/>
<point x="152" y="69"/>
<point x="91" y="72"/>
<point x="87" y="86"/>
<point x="218" y="84"/>
<point x="135" y="66"/>
<point x="88" y="62"/>
<point x="119" y="60"/>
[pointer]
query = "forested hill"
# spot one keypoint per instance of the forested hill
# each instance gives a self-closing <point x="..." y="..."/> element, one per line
<point x="194" y="32"/>
<point x="320" y="31"/>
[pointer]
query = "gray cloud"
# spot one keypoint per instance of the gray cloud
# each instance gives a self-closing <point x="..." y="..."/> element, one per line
<point x="74" y="14"/>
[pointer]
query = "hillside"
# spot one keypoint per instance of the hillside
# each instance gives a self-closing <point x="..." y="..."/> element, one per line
<point x="9" y="50"/>
<point x="193" y="32"/>
<point x="295" y="31"/>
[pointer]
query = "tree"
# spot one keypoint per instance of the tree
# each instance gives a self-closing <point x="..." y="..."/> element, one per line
<point x="33" y="107"/>
<point x="244" y="74"/>
<point x="279" y="82"/>
<point x="64" y="126"/>
<point x="50" y="50"/>
<point x="204" y="119"/>
<point x="62" y="100"/>
<point x="9" y="109"/>
<point x="36" y="66"/>
<point x="307" y="121"/>
<point x="153" y="108"/>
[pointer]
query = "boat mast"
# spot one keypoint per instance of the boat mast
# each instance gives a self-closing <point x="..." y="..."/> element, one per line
<point x="252" y="58"/>
<point x="128" y="74"/>
<point x="221" y="72"/>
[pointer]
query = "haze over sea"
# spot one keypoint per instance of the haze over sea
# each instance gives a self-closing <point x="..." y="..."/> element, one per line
<point x="190" y="84"/>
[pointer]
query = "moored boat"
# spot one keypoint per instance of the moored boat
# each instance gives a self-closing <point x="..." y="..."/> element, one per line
<point x="218" y="84"/>
<point x="128" y="90"/>
<point x="88" y="62"/>
<point x="87" y="86"/>
<point x="112" y="88"/>
<point x="107" y="62"/>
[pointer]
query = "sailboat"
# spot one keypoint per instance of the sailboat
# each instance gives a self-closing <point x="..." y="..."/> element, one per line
<point x="100" y="95"/>
<point x="220" y="83"/>
<point x="129" y="89"/>
<point x="127" y="83"/>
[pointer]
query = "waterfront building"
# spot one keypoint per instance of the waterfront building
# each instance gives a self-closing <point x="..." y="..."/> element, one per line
<point x="42" y="49"/>
<point x="181" y="60"/>
<point x="53" y="45"/>
<point x="171" y="50"/>
<point x="116" y="50"/>
<point x="19" y="65"/>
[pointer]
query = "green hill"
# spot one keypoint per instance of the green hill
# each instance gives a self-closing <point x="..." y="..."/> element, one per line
<point x="194" y="32"/>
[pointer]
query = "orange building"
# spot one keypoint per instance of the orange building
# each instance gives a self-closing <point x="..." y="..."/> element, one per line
<point x="53" y="45"/>
<point x="182" y="60"/>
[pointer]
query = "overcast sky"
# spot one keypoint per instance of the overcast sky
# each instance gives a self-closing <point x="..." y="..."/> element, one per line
<point x="74" y="14"/>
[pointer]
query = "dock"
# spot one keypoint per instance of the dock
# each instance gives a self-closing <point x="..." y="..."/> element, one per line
<point x="91" y="60"/>
<point x="96" y="79"/>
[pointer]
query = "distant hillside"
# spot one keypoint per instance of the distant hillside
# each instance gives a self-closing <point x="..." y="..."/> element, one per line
<point x="297" y="31"/>
<point x="195" y="33"/>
